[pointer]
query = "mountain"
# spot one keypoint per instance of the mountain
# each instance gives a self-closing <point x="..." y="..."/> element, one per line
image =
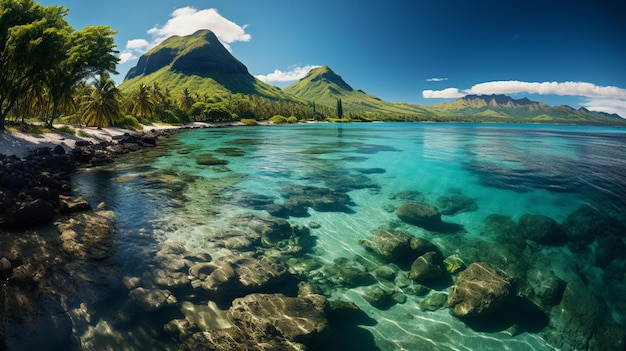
<point x="323" y="86"/>
<point x="502" y="108"/>
<point x="200" y="63"/>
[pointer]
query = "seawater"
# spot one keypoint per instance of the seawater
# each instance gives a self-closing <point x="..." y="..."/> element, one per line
<point x="165" y="194"/>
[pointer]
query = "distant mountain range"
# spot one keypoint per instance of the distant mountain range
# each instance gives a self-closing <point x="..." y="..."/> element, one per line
<point x="200" y="63"/>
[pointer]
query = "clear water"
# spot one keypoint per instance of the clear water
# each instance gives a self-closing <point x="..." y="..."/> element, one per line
<point x="165" y="195"/>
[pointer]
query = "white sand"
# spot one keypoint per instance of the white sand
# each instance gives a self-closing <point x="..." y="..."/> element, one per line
<point x="21" y="144"/>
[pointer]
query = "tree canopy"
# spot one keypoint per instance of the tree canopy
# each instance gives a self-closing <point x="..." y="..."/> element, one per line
<point x="38" y="48"/>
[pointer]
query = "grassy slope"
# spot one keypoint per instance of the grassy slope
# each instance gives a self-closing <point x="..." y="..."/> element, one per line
<point x="322" y="86"/>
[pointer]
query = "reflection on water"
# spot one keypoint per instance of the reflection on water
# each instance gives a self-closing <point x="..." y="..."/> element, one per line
<point x="533" y="201"/>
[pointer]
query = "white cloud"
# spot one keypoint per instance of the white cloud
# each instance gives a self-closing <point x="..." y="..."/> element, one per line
<point x="127" y="56"/>
<point x="137" y="44"/>
<point x="608" y="99"/>
<point x="449" y="93"/>
<point x="293" y="74"/>
<point x="544" y="88"/>
<point x="436" y="79"/>
<point x="186" y="21"/>
<point x="607" y="105"/>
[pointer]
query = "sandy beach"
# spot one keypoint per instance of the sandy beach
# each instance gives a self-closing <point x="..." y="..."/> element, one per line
<point x="22" y="144"/>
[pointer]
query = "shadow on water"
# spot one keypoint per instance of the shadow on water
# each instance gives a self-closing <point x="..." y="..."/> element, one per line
<point x="517" y="315"/>
<point x="347" y="333"/>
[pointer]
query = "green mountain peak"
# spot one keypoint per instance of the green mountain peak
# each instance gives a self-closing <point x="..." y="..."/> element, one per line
<point x="200" y="63"/>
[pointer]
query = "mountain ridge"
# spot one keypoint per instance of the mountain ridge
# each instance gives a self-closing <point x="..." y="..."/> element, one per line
<point x="200" y="63"/>
<point x="197" y="62"/>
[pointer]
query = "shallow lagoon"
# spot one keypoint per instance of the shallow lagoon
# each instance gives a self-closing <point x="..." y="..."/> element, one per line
<point x="187" y="190"/>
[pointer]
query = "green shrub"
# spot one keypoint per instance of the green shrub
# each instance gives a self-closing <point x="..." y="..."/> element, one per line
<point x="83" y="134"/>
<point x="66" y="129"/>
<point x="249" y="121"/>
<point x="278" y="119"/>
<point x="292" y="119"/>
<point x="129" y="122"/>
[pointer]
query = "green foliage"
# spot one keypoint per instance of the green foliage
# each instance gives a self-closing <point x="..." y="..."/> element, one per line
<point x="30" y="128"/>
<point x="101" y="107"/>
<point x="249" y="121"/>
<point x="128" y="122"/>
<point x="339" y="108"/>
<point x="66" y="130"/>
<point x="278" y="119"/>
<point x="292" y="119"/>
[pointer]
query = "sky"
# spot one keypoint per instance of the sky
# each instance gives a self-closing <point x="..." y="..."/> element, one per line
<point x="417" y="51"/>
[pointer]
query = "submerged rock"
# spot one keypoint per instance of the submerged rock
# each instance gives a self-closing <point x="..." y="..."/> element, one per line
<point x="418" y="213"/>
<point x="451" y="205"/>
<point x="348" y="272"/>
<point x="396" y="246"/>
<point x="268" y="322"/>
<point x="229" y="277"/>
<point x="585" y="223"/>
<point x="426" y="267"/>
<point x="434" y="302"/>
<point x="583" y="318"/>
<point x="152" y="299"/>
<point x="541" y="229"/>
<point x="479" y="290"/>
<point x="319" y="199"/>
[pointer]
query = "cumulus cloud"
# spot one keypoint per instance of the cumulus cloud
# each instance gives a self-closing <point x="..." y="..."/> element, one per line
<point x="293" y="74"/>
<point x="449" y="93"/>
<point x="607" y="105"/>
<point x="548" y="88"/>
<point x="185" y="21"/>
<point x="608" y="99"/>
<point x="436" y="79"/>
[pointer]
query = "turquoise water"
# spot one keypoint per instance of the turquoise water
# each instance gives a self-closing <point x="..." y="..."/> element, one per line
<point x="171" y="193"/>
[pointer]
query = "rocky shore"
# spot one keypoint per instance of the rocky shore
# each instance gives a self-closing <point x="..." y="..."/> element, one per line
<point x="35" y="188"/>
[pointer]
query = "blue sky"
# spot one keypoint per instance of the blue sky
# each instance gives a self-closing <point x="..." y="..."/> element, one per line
<point x="421" y="51"/>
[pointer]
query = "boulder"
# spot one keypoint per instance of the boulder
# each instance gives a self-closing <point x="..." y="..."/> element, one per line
<point x="396" y="246"/>
<point x="451" y="205"/>
<point x="546" y="287"/>
<point x="70" y="204"/>
<point x="268" y="322"/>
<point x="347" y="272"/>
<point x="235" y="276"/>
<point x="298" y="319"/>
<point x="34" y="212"/>
<point x="152" y="299"/>
<point x="236" y="240"/>
<point x="419" y="214"/>
<point x="585" y="223"/>
<point x="434" y="302"/>
<point x="480" y="289"/>
<point x="377" y="296"/>
<point x="271" y="230"/>
<point x="426" y="267"/>
<point x="541" y="229"/>
<point x="6" y="269"/>
<point x="584" y="319"/>
<point x="319" y="199"/>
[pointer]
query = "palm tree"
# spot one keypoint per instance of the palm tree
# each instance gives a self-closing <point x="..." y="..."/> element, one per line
<point x="142" y="103"/>
<point x="186" y="100"/>
<point x="101" y="107"/>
